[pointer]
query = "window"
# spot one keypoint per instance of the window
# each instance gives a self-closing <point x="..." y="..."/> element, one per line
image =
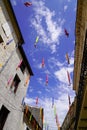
<point x="27" y="128"/>
<point x="86" y="38"/>
<point x="3" y="116"/>
<point x="1" y="40"/>
<point x="15" y="83"/>
<point x="22" y="67"/>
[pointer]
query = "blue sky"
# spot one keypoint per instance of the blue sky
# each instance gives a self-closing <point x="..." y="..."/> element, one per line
<point x="48" y="19"/>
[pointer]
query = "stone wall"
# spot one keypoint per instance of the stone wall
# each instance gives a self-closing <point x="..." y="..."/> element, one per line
<point x="10" y="57"/>
<point x="80" y="32"/>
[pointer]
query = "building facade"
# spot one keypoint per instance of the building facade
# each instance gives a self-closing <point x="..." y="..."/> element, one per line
<point x="69" y="121"/>
<point x="33" y="117"/>
<point x="80" y="66"/>
<point x="15" y="70"/>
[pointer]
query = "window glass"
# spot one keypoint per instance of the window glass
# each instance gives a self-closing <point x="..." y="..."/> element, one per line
<point x="1" y="40"/>
<point x="3" y="116"/>
<point x="22" y="67"/>
<point x="15" y="83"/>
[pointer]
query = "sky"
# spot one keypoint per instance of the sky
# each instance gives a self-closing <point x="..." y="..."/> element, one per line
<point x="47" y="20"/>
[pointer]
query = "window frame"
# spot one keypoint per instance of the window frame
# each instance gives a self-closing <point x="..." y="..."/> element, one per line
<point x="15" y="83"/>
<point x="1" y="39"/>
<point x="3" y="116"/>
<point x="22" y="67"/>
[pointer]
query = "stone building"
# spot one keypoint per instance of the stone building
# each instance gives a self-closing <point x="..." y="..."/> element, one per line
<point x="80" y="66"/>
<point x="33" y="117"/>
<point x="69" y="121"/>
<point x="15" y="70"/>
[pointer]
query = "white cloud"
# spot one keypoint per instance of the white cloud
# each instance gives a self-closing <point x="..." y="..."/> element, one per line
<point x="51" y="32"/>
<point x="72" y="61"/>
<point x="61" y="75"/>
<point x="61" y="21"/>
<point x="69" y="0"/>
<point x="29" y="101"/>
<point x="59" y="64"/>
<point x="38" y="66"/>
<point x="65" y="8"/>
<point x="70" y="69"/>
<point x="61" y="105"/>
<point x="53" y="48"/>
<point x="31" y="90"/>
<point x="72" y="58"/>
<point x="40" y="80"/>
<point x="53" y="62"/>
<point x="61" y="109"/>
<point x="14" y="3"/>
<point x="75" y="9"/>
<point x="39" y="92"/>
<point x="47" y="72"/>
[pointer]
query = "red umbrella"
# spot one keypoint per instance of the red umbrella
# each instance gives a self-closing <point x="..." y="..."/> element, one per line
<point x="43" y="63"/>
